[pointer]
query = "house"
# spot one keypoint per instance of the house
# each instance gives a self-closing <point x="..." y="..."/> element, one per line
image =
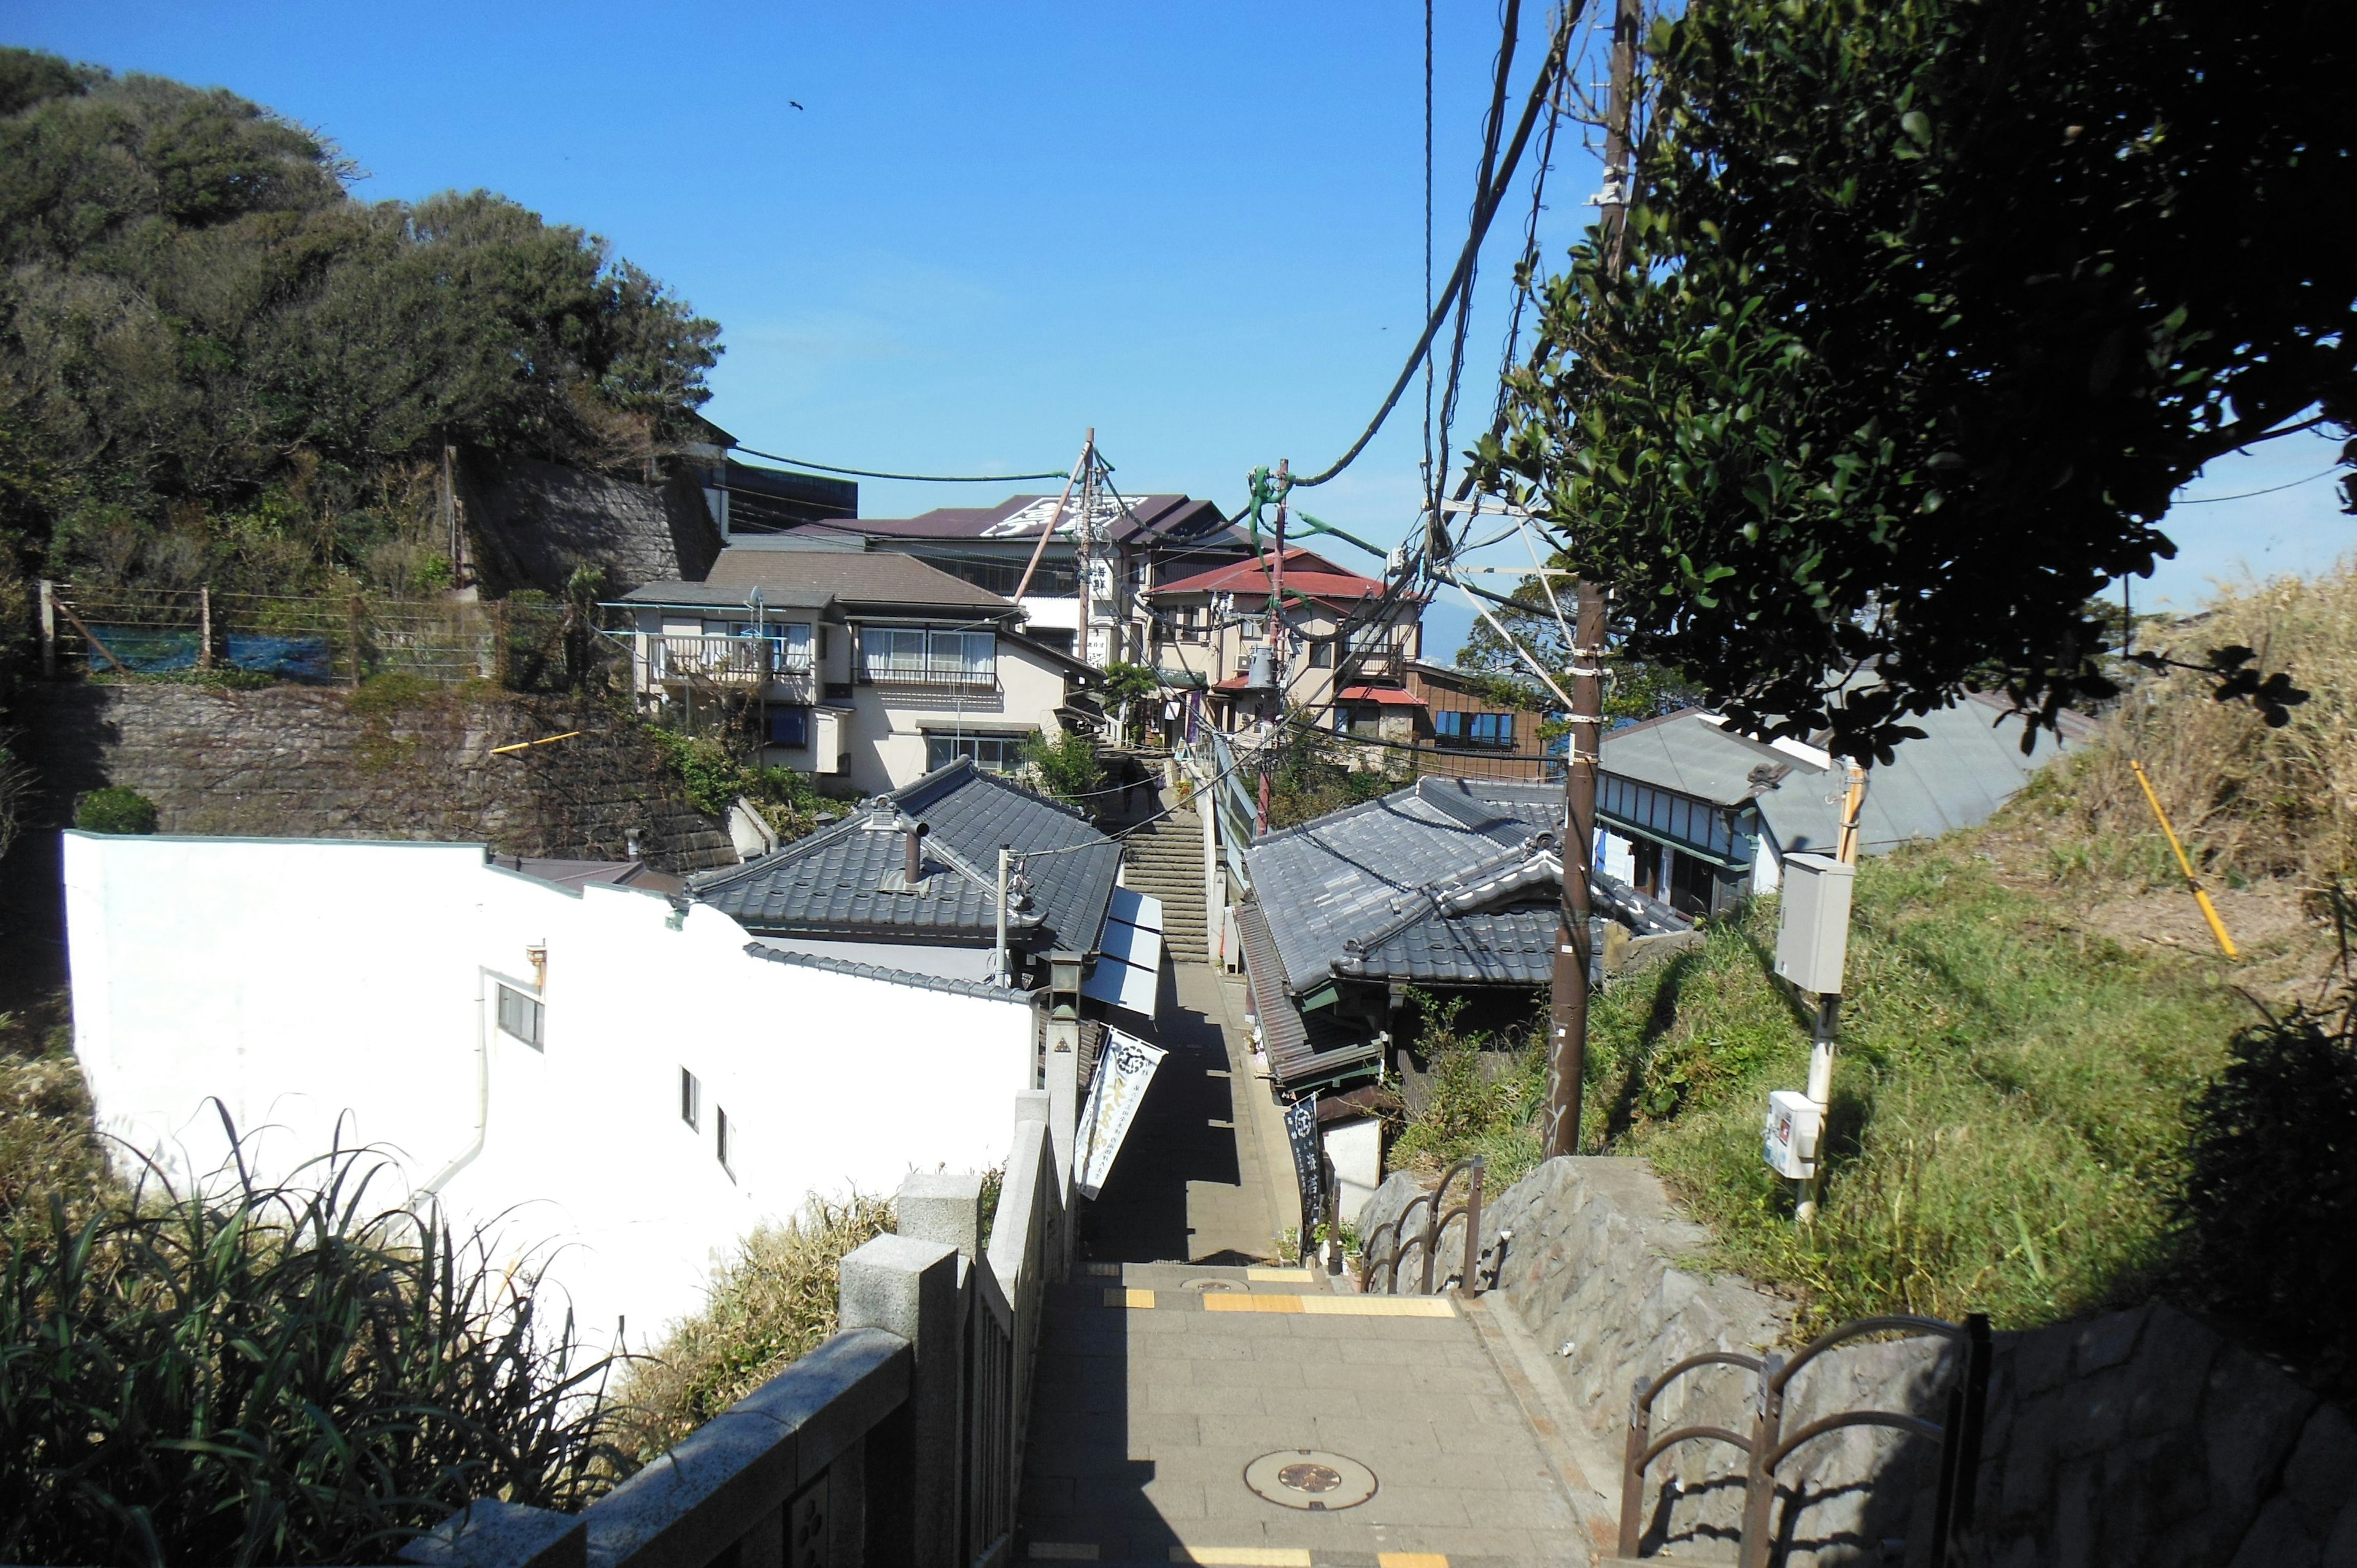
<point x="618" y="1084"/>
<point x="1210" y="627"/>
<point x="910" y="881"/>
<point x="1454" y="723"/>
<point x="865" y="669"/>
<point x="1448" y="887"/>
<point x="1140" y="541"/>
<point x="744" y="500"/>
<point x="1699" y="816"/>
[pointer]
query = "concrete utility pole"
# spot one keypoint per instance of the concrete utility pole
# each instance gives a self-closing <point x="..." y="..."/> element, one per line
<point x="1567" y="1003"/>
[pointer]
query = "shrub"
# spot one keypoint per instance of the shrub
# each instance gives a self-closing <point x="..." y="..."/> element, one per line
<point x="275" y="1374"/>
<point x="117" y="809"/>
<point x="773" y="1305"/>
<point x="711" y="777"/>
<point x="1066" y="766"/>
<point x="2270" y="1202"/>
<point x="1481" y="1099"/>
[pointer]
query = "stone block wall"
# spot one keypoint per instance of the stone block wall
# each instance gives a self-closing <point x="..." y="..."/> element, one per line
<point x="2142" y="1437"/>
<point x="298" y="761"/>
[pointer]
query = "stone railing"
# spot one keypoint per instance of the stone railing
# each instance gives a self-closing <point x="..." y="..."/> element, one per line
<point x="898" y="1441"/>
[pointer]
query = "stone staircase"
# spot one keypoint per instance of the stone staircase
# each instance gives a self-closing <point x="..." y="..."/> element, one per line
<point x="1165" y="859"/>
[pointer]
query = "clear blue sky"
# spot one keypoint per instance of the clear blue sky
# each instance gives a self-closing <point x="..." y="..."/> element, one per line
<point x="1197" y="227"/>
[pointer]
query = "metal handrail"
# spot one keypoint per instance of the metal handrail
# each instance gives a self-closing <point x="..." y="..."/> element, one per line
<point x="1372" y="1258"/>
<point x="1958" y="1435"/>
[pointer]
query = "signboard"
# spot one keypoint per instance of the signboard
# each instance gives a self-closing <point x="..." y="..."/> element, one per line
<point x="1301" y="1132"/>
<point x="1122" y="1079"/>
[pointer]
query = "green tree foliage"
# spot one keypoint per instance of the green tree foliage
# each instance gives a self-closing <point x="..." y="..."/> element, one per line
<point x="207" y="345"/>
<point x="1066" y="766"/>
<point x="1927" y="309"/>
<point x="1633" y="688"/>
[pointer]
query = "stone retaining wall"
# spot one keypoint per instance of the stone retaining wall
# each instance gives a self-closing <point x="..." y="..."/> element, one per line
<point x="298" y="761"/>
<point x="2142" y="1437"/>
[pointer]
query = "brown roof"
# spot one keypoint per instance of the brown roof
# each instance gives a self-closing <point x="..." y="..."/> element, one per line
<point x="850" y="577"/>
<point x="1306" y="572"/>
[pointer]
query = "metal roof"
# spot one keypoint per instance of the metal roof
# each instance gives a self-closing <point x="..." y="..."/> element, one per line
<point x="847" y="880"/>
<point x="1968" y="763"/>
<point x="877" y="576"/>
<point x="1022" y="517"/>
<point x="1689" y="752"/>
<point x="891" y="976"/>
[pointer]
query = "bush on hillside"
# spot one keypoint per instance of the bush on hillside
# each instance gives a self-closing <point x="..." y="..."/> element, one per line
<point x="1065" y="766"/>
<point x="275" y="1374"/>
<point x="771" y="1306"/>
<point x="117" y="808"/>
<point x="2269" y="1207"/>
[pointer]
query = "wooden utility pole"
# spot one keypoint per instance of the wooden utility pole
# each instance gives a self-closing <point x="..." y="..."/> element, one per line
<point x="1088" y="458"/>
<point x="1273" y="703"/>
<point x="1574" y="947"/>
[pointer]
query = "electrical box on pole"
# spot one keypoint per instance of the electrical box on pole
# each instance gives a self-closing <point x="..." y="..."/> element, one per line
<point x="1789" y="1141"/>
<point x="1813" y="938"/>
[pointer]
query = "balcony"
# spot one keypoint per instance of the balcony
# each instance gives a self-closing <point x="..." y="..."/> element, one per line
<point x="1364" y="664"/>
<point x="955" y="674"/>
<point x="747" y="662"/>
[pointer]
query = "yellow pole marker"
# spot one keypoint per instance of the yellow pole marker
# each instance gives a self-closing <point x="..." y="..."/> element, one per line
<point x="2200" y="893"/>
<point x="528" y="745"/>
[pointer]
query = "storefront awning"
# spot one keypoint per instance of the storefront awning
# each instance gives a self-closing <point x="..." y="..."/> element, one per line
<point x="1128" y="974"/>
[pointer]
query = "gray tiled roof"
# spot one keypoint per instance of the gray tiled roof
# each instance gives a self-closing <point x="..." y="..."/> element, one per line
<point x="891" y="976"/>
<point x="1346" y="876"/>
<point x="815" y="579"/>
<point x="846" y="880"/>
<point x="1303" y="1049"/>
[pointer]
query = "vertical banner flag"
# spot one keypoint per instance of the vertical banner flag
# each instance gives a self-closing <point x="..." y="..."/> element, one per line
<point x="1301" y="1132"/>
<point x="1128" y="1066"/>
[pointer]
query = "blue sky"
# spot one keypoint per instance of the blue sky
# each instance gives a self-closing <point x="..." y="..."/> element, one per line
<point x="1197" y="227"/>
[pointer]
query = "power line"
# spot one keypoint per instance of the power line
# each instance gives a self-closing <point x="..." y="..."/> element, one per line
<point x="879" y="474"/>
<point x="2247" y="495"/>
<point x="1486" y="209"/>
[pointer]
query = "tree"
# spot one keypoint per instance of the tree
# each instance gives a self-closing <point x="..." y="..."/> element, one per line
<point x="1928" y="307"/>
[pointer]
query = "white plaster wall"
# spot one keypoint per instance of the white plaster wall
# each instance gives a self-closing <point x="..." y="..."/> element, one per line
<point x="313" y="984"/>
<point x="1356" y="1149"/>
<point x="887" y="743"/>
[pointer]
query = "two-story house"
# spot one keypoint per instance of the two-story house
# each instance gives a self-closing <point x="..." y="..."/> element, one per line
<point x="865" y="669"/>
<point x="1340" y="638"/>
<point x="1141" y="541"/>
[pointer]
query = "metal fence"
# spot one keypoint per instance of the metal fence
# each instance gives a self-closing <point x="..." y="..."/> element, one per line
<point x="900" y="1441"/>
<point x="315" y="639"/>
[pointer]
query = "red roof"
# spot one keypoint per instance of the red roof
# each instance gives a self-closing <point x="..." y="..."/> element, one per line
<point x="1388" y="696"/>
<point x="1307" y="574"/>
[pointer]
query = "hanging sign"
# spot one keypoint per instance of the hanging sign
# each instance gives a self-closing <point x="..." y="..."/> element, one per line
<point x="1301" y="1132"/>
<point x="1122" y="1079"/>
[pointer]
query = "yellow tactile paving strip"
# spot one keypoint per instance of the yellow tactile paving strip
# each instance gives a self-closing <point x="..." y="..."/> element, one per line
<point x="1131" y="1298"/>
<point x="1229" y="1556"/>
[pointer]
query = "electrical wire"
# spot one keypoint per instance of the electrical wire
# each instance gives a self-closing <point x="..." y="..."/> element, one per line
<point x="2271" y="489"/>
<point x="1485" y="210"/>
<point x="879" y="474"/>
<point x="1492" y="125"/>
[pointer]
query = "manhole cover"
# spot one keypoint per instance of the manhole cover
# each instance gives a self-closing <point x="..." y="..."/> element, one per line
<point x="1213" y="1284"/>
<point x="1308" y="1478"/>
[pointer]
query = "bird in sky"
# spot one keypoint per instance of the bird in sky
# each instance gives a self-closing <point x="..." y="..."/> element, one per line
<point x="790" y="101"/>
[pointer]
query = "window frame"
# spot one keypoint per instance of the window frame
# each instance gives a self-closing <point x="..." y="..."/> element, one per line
<point x="720" y="1142"/>
<point x="690" y="1099"/>
<point x="529" y="1006"/>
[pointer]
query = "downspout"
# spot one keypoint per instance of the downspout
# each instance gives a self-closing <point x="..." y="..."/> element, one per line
<point x="482" y="1097"/>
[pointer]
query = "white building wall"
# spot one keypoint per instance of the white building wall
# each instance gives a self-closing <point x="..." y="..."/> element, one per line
<point x="325" y="990"/>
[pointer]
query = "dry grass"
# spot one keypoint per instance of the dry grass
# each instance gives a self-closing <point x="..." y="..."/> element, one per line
<point x="774" y="1304"/>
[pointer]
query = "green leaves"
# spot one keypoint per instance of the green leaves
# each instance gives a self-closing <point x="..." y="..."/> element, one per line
<point x="1921" y="371"/>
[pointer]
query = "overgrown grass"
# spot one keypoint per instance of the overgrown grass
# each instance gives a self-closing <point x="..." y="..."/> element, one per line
<point x="773" y="1305"/>
<point x="1484" y="1097"/>
<point x="273" y="1374"/>
<point x="2011" y="1099"/>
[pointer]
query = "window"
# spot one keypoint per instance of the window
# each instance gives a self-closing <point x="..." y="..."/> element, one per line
<point x="520" y="1015"/>
<point x="1452" y="728"/>
<point x="1321" y="653"/>
<point x="790" y="639"/>
<point x="690" y="1099"/>
<point x="720" y="1143"/>
<point x="913" y="653"/>
<point x="991" y="753"/>
<point x="1359" y="718"/>
<point x="790" y="726"/>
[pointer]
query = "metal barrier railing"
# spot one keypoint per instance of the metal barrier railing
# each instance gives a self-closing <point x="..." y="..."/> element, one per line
<point x="1768" y="1447"/>
<point x="1436" y="1221"/>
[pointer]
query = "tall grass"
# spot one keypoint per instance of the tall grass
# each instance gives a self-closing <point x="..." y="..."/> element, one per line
<point x="2252" y="801"/>
<point x="774" y="1302"/>
<point x="2012" y="1100"/>
<point x="262" y="1373"/>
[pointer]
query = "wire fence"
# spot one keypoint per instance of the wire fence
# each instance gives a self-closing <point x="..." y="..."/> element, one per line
<point x="526" y="645"/>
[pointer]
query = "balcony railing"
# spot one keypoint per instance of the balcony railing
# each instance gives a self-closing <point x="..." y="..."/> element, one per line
<point x="722" y="660"/>
<point x="1372" y="663"/>
<point x="929" y="672"/>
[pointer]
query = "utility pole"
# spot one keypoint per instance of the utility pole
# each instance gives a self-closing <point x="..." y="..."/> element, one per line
<point x="1574" y="947"/>
<point x="1047" y="534"/>
<point x="1275" y="629"/>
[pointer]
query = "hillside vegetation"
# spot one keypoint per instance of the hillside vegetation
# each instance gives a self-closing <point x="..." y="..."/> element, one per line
<point x="2053" y="1094"/>
<point x="219" y="363"/>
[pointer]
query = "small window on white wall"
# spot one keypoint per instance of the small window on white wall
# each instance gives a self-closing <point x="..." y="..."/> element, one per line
<point x="521" y="1016"/>
<point x="690" y="1099"/>
<point x="720" y="1143"/>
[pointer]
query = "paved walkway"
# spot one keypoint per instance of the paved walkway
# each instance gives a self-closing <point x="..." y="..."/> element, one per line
<point x="1160" y="1387"/>
<point x="1169" y="1366"/>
